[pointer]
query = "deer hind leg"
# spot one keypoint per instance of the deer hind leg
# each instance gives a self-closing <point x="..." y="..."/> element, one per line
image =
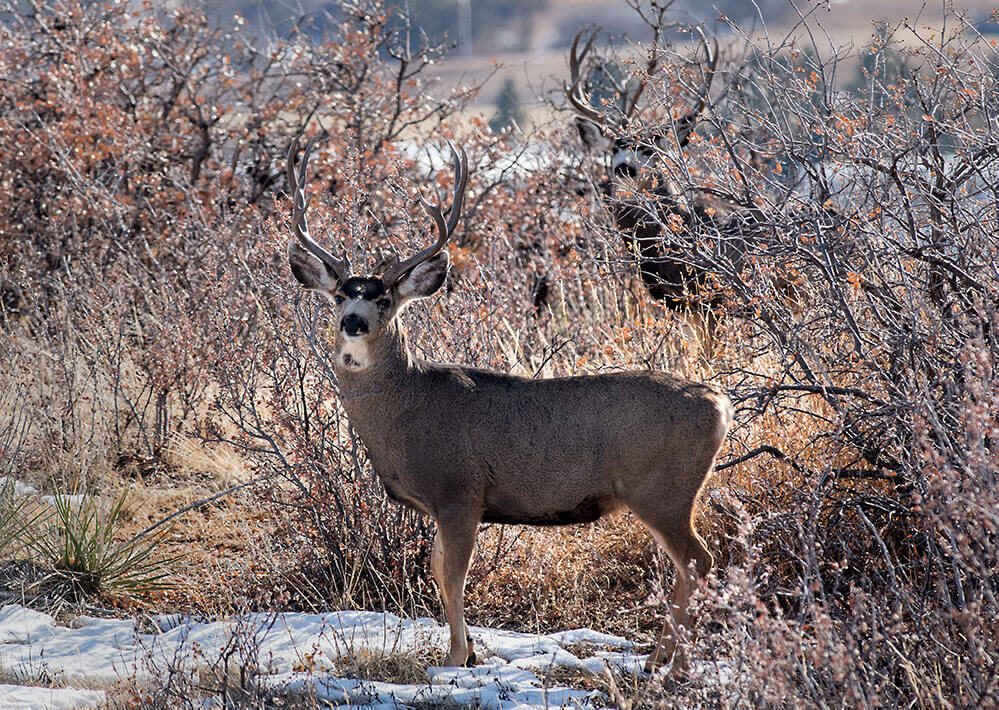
<point x="692" y="562"/>
<point x="452" y="553"/>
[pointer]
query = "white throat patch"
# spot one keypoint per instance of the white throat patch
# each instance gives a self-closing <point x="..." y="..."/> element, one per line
<point x="629" y="157"/>
<point x="354" y="354"/>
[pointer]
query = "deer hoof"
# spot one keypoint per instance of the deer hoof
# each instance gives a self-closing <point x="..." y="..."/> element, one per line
<point x="676" y="668"/>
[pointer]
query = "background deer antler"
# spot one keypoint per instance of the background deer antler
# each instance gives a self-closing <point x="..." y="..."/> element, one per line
<point x="574" y="91"/>
<point x="686" y="124"/>
<point x="631" y="93"/>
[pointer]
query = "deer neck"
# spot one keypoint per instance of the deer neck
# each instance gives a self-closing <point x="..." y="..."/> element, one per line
<point x="375" y="371"/>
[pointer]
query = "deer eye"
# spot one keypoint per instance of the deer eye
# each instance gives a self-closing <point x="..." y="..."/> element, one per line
<point x="383" y="303"/>
<point x="338" y="299"/>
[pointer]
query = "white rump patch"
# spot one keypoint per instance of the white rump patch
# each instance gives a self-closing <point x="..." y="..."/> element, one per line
<point x="354" y="354"/>
<point x="725" y="415"/>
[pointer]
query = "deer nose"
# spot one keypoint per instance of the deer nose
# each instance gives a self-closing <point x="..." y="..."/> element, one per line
<point x="353" y="324"/>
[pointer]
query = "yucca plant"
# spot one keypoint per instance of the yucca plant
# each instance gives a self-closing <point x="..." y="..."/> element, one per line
<point x="79" y="542"/>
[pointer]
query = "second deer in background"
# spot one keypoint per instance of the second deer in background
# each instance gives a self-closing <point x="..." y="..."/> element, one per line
<point x="667" y="269"/>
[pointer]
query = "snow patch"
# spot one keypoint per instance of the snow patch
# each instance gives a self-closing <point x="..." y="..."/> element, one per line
<point x="19" y="624"/>
<point x="74" y="500"/>
<point x="24" y="490"/>
<point x="20" y="489"/>
<point x="298" y="653"/>
<point x="27" y="697"/>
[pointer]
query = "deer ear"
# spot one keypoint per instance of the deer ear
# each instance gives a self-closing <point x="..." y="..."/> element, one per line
<point x="424" y="279"/>
<point x="591" y="135"/>
<point x="310" y="272"/>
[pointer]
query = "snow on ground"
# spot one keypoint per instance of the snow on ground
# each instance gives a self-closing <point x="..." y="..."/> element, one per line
<point x="74" y="500"/>
<point x="21" y="489"/>
<point x="295" y="653"/>
<point x="27" y="697"/>
<point x="17" y="487"/>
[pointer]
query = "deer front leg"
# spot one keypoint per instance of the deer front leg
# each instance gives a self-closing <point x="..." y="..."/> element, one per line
<point x="452" y="552"/>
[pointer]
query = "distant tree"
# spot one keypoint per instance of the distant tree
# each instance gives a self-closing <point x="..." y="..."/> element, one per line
<point x="508" y="110"/>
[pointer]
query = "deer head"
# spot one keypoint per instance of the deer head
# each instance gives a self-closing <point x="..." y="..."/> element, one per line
<point x="632" y="158"/>
<point x="366" y="307"/>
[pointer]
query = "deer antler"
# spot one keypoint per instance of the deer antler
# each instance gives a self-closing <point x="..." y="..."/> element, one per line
<point x="686" y="124"/>
<point x="444" y="229"/>
<point x="296" y="185"/>
<point x="628" y="104"/>
<point x="574" y="92"/>
<point x="629" y="93"/>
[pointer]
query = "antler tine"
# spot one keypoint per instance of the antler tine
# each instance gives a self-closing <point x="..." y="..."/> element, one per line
<point x="290" y="168"/>
<point x="686" y="124"/>
<point x="576" y="59"/>
<point x="300" y="228"/>
<point x="574" y="92"/>
<point x="460" y="183"/>
<point x="628" y="109"/>
<point x="444" y="229"/>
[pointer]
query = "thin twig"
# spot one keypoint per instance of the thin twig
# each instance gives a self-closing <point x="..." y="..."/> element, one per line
<point x="201" y="503"/>
<point x="773" y="451"/>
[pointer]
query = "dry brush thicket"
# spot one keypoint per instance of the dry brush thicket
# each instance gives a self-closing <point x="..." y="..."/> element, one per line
<point x="146" y="299"/>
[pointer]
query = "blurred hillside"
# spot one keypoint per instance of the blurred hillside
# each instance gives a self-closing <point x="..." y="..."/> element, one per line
<point x="502" y="26"/>
<point x="523" y="43"/>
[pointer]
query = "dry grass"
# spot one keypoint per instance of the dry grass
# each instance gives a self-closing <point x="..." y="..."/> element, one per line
<point x="597" y="576"/>
<point x="609" y="576"/>
<point x="224" y="550"/>
<point x="401" y="667"/>
<point x="218" y="466"/>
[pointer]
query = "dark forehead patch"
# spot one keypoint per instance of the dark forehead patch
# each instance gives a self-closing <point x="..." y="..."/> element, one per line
<point x="363" y="287"/>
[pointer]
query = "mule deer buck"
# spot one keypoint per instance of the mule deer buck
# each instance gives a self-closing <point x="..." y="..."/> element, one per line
<point x="665" y="268"/>
<point x="467" y="446"/>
